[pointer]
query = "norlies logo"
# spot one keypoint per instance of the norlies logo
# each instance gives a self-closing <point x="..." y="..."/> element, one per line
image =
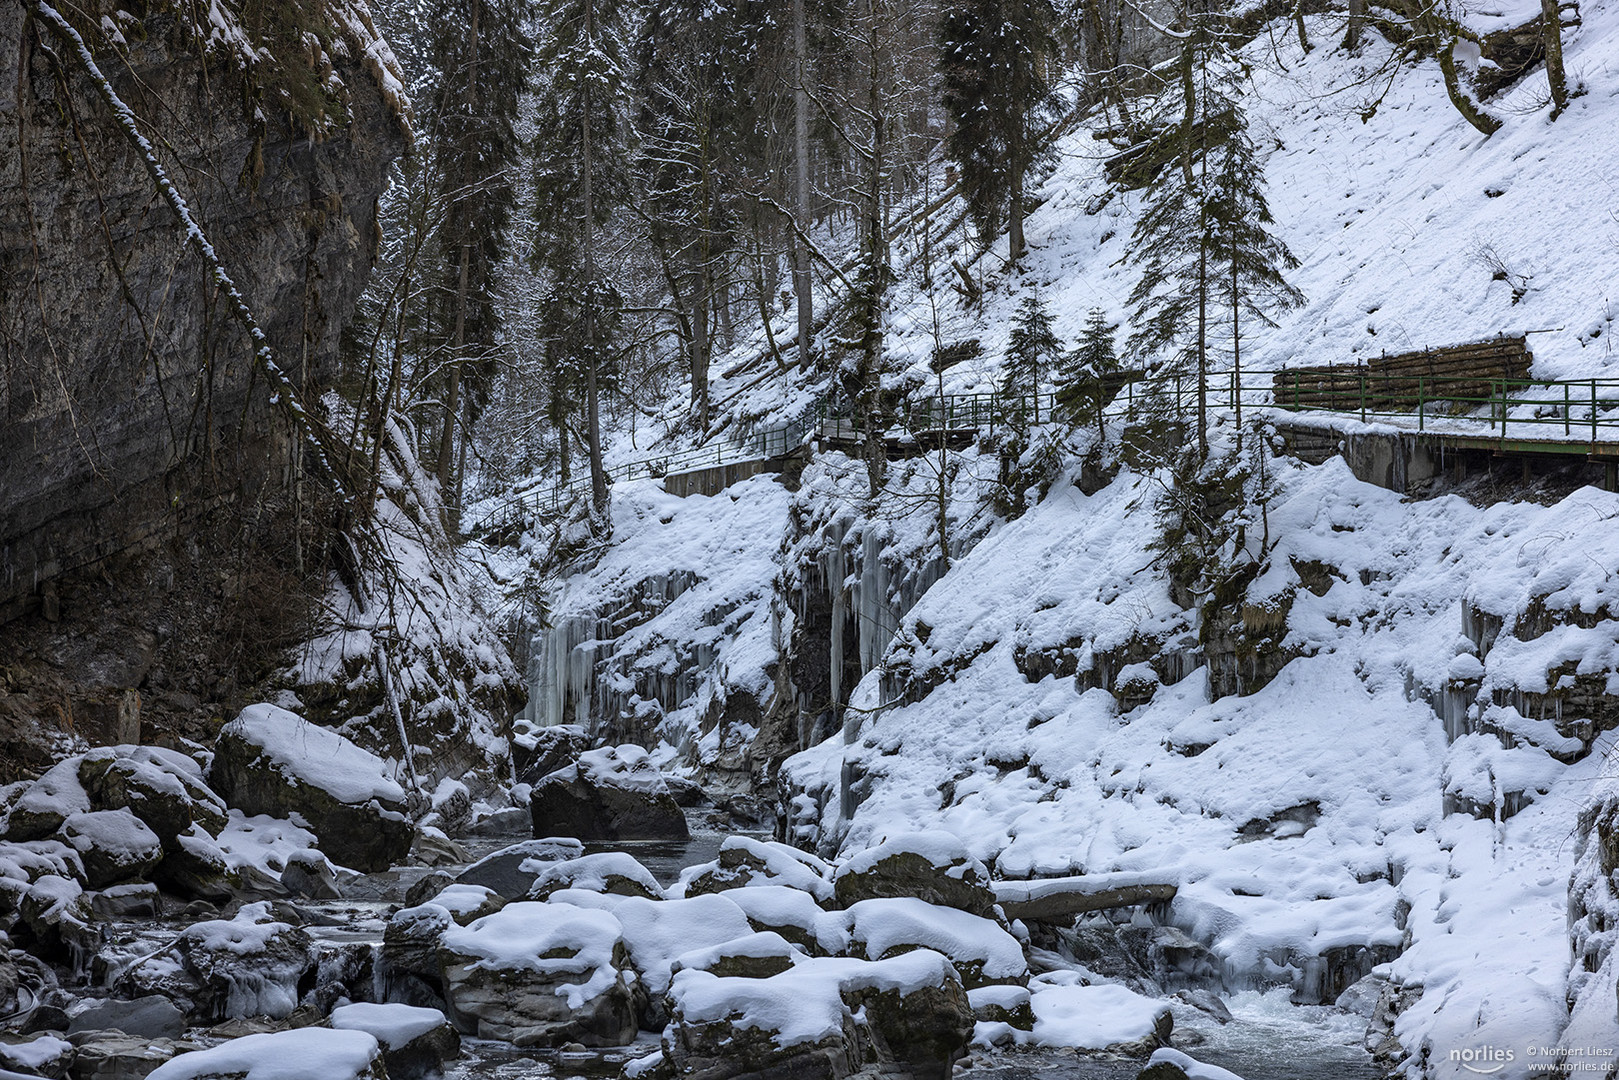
<point x="1483" y="1060"/>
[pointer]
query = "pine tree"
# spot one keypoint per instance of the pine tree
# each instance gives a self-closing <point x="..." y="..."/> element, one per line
<point x="993" y="59"/>
<point x="1082" y="384"/>
<point x="1032" y="348"/>
<point x="480" y="52"/>
<point x="1202" y="238"/>
<point x="582" y="176"/>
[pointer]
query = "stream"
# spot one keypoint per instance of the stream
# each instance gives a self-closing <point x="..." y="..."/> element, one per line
<point x="1268" y="1038"/>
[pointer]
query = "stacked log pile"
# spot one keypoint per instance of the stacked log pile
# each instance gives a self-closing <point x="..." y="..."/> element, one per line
<point x="1396" y="383"/>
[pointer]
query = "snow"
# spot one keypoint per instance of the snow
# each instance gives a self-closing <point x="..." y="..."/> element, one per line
<point x="115" y="831"/>
<point x="37" y="1052"/>
<point x="803" y="1004"/>
<point x="781" y="866"/>
<point x="942" y="850"/>
<point x="248" y="933"/>
<point x="885" y="924"/>
<point x="593" y="872"/>
<point x="392" y="1025"/>
<point x="258" y="841"/>
<point x="781" y="906"/>
<point x="315" y="755"/>
<point x="461" y="899"/>
<point x="1091" y="1017"/>
<point x="310" y="1053"/>
<point x="628" y="766"/>
<point x="1302" y="820"/>
<point x="57" y="791"/>
<point x="551" y="940"/>
<point x="1193" y="1068"/>
<point x="658" y="931"/>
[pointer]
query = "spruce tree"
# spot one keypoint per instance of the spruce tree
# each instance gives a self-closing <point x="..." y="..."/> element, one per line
<point x="582" y="176"/>
<point x="1032" y="349"/>
<point x="1202" y="238"/>
<point x="480" y="52"/>
<point x="1082" y="383"/>
<point x="993" y="59"/>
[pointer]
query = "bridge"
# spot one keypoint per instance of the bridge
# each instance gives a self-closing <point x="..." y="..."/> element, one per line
<point x="1431" y="419"/>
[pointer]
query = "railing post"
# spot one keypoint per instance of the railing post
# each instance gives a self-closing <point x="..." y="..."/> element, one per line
<point x="1593" y="412"/>
<point x="1503" y="408"/>
<point x="1422" y="404"/>
<point x="1565" y="408"/>
<point x="1363" y="397"/>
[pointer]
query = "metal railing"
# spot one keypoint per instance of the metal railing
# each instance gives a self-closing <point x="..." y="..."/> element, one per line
<point x="1568" y="412"/>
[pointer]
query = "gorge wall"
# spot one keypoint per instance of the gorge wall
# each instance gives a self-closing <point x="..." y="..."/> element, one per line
<point x="147" y="478"/>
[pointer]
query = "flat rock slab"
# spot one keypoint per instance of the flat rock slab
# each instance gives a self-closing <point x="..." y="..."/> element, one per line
<point x="150" y="1017"/>
<point x="1060" y="899"/>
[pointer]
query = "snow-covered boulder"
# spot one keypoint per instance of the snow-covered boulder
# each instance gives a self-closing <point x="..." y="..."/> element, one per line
<point x="35" y="1055"/>
<point x="745" y="861"/>
<point x="407" y="963"/>
<point x="271" y="761"/>
<point x="1002" y="1004"/>
<point x="806" y="1021"/>
<point x="930" y="866"/>
<point x="982" y="952"/>
<point x="163" y="788"/>
<point x="614" y="793"/>
<point x="54" y="919"/>
<point x="48" y="802"/>
<point x="540" y="974"/>
<point x="229" y="968"/>
<point x="511" y="870"/>
<point x="756" y="956"/>
<point x="311" y="1053"/>
<point x="658" y="931"/>
<point x="415" y="1042"/>
<point x="309" y="873"/>
<point x="795" y="916"/>
<point x="1098" y="1017"/>
<point x="114" y="845"/>
<point x="195" y="866"/>
<point x="538" y="752"/>
<point x="605" y="872"/>
<point x="467" y="903"/>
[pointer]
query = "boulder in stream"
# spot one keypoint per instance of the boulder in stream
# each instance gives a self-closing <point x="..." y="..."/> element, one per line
<point x="415" y="1042"/>
<point x="271" y="761"/>
<point x="614" y="793"/>
<point x="311" y="1052"/>
<point x="540" y="974"/>
<point x="931" y="866"/>
<point x="114" y="845"/>
<point x="251" y="965"/>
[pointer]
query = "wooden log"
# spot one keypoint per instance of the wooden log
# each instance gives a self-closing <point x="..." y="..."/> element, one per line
<point x="1062" y="899"/>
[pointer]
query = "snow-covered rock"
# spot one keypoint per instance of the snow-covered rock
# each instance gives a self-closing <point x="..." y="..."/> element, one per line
<point x="795" y="916"/>
<point x="540" y="974"/>
<point x="271" y="761"/>
<point x="1097" y="1017"/>
<point x="230" y="968"/>
<point x="48" y="802"/>
<point x="117" y="1055"/>
<point x="310" y="1053"/>
<point x="415" y="1042"/>
<point x="982" y="952"/>
<point x="606" y="872"/>
<point x="36" y="1055"/>
<point x="657" y="931"/>
<point x="745" y="861"/>
<point x="933" y="866"/>
<point x="806" y="1020"/>
<point x="614" y="793"/>
<point x="115" y="846"/>
<point x="512" y="870"/>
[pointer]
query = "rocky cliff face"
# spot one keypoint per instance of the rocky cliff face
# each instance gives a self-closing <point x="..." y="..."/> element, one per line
<point x="134" y="428"/>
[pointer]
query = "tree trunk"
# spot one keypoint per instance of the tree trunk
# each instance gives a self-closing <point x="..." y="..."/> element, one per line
<point x="1551" y="15"/>
<point x="452" y="395"/>
<point x="801" y="167"/>
<point x="1445" y="52"/>
<point x="1357" y="16"/>
<point x="1014" y="231"/>
<point x="598" y="474"/>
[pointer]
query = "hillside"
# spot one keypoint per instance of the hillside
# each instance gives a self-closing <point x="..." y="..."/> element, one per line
<point x="1397" y="787"/>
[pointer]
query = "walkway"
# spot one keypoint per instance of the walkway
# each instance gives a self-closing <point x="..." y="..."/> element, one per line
<point x="1575" y="418"/>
